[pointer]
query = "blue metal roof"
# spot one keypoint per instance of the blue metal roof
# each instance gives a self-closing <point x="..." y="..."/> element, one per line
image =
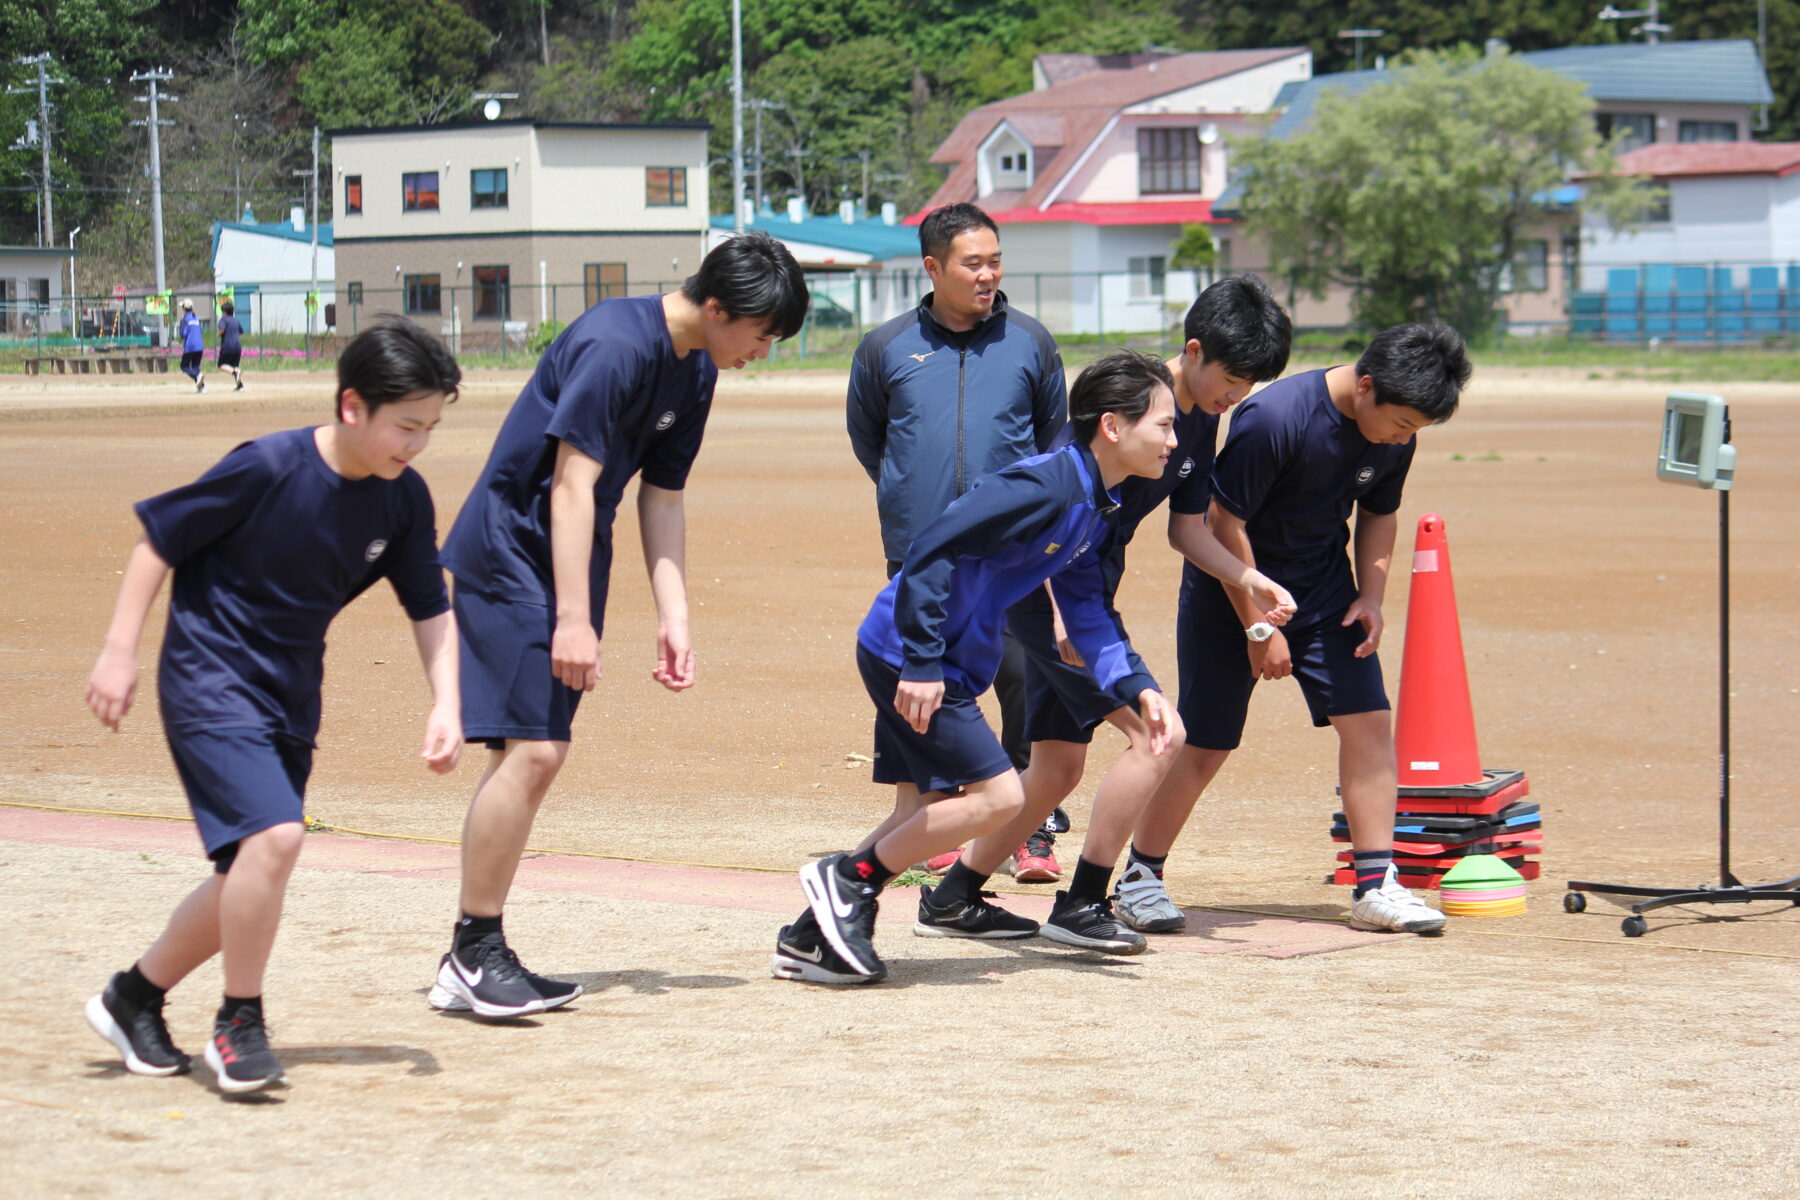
<point x="869" y="237"/>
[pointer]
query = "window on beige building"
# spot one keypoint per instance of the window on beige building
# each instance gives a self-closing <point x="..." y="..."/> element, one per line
<point x="665" y="187"/>
<point x="419" y="191"/>
<point x="602" y="281"/>
<point x="493" y="292"/>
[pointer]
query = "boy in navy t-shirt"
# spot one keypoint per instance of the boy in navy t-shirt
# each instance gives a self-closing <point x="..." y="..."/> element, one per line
<point x="266" y="548"/>
<point x="931" y="644"/>
<point x="624" y="390"/>
<point x="1300" y="458"/>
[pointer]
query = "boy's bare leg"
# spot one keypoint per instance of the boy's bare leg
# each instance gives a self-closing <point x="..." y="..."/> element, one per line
<point x="1054" y="772"/>
<point x="1127" y="788"/>
<point x="190" y="938"/>
<point x="908" y="800"/>
<point x="942" y="824"/>
<point x="1173" y="802"/>
<point x="250" y="904"/>
<point x="1367" y="776"/>
<point x="499" y="822"/>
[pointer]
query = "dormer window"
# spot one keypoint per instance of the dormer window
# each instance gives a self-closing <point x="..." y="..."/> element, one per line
<point x="1004" y="162"/>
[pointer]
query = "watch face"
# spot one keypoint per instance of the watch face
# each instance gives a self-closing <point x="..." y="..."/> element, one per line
<point x="1262" y="631"/>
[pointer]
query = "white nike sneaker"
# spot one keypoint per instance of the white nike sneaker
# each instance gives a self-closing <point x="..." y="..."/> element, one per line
<point x="1143" y="903"/>
<point x="1390" y="908"/>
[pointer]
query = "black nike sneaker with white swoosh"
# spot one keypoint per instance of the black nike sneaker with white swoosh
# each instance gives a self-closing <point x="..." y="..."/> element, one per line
<point x="488" y="979"/>
<point x="846" y="913"/>
<point x="802" y="954"/>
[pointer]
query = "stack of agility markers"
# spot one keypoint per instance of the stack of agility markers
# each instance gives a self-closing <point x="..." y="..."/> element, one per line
<point x="1436" y="829"/>
<point x="1481" y="885"/>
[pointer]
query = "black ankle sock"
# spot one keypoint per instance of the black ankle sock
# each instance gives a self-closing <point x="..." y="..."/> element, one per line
<point x="473" y="929"/>
<point x="861" y="866"/>
<point x="233" y="1004"/>
<point x="1371" y="870"/>
<point x="1153" y="865"/>
<point x="1090" y="881"/>
<point x="960" y="884"/>
<point x="133" y="987"/>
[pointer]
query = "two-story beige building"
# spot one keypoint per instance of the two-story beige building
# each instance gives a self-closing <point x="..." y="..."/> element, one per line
<point x="468" y="226"/>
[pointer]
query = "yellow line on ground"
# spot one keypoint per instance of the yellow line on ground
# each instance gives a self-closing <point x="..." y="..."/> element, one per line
<point x="1461" y="926"/>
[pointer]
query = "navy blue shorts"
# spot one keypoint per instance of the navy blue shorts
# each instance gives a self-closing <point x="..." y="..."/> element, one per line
<point x="1216" y="681"/>
<point x="507" y="688"/>
<point x="957" y="748"/>
<point x="240" y="782"/>
<point x="1062" y="703"/>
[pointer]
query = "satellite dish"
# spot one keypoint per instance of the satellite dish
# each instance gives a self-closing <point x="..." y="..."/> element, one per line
<point x="1209" y="133"/>
<point x="491" y="110"/>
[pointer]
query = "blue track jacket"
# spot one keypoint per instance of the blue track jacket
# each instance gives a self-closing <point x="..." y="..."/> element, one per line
<point x="1043" y="517"/>
<point x="931" y="410"/>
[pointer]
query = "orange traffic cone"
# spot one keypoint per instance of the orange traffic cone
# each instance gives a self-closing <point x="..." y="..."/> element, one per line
<point x="1434" y="723"/>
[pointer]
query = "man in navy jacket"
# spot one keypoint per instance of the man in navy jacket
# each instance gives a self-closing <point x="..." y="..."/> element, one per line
<point x="957" y="388"/>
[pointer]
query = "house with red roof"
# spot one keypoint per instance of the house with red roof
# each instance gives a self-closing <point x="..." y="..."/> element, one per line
<point x="1092" y="174"/>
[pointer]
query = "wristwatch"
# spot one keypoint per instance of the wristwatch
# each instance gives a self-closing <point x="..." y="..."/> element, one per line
<point x="1262" y="631"/>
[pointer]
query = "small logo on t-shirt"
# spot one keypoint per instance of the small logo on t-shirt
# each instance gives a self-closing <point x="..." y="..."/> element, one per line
<point x="666" y="420"/>
<point x="375" y="550"/>
<point x="1082" y="549"/>
<point x="1187" y="467"/>
<point x="919" y="358"/>
<point x="1053" y="547"/>
<point x="1363" y="476"/>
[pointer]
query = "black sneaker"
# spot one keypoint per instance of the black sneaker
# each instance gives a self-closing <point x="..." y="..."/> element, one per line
<point x="804" y="955"/>
<point x="1091" y="926"/>
<point x="845" y="912"/>
<point x="136" y="1032"/>
<point x="969" y="919"/>
<point x="489" y="979"/>
<point x="239" y="1053"/>
<point x="554" y="992"/>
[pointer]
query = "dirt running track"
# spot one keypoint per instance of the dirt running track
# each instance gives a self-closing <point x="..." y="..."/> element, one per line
<point x="1268" y="1053"/>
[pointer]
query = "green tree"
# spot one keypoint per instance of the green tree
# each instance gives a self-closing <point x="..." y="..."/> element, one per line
<point x="1194" y="251"/>
<point x="394" y="62"/>
<point x="1414" y="193"/>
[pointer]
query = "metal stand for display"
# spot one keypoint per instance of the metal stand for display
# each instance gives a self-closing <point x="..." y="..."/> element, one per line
<point x="1729" y="890"/>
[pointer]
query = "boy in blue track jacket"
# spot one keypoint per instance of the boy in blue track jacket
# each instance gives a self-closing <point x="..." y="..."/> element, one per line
<point x="932" y="640"/>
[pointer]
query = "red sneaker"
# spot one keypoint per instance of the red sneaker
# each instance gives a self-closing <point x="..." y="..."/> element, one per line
<point x="1035" y="861"/>
<point x="937" y="864"/>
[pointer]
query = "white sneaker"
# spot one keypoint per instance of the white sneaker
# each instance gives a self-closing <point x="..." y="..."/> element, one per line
<point x="1393" y="909"/>
<point x="1142" y="902"/>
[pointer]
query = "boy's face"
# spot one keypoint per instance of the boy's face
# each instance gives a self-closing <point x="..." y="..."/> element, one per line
<point x="1145" y="444"/>
<point x="968" y="279"/>
<point x="1385" y="424"/>
<point x="735" y="342"/>
<point x="1207" y="383"/>
<point x="382" y="443"/>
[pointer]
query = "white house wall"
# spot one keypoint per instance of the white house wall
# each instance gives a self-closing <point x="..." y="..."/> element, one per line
<point x="1784" y="220"/>
<point x="1725" y="220"/>
<point x="381" y="159"/>
<point x="597" y="182"/>
<point x="1248" y="91"/>
<point x="281" y="271"/>
<point x="1110" y="175"/>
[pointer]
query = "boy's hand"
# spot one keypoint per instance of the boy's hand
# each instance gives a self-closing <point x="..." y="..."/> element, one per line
<point x="1064" y="646"/>
<point x="1369" y="613"/>
<point x="575" y="655"/>
<point x="674" y="667"/>
<point x="1154" y="708"/>
<point x="917" y="700"/>
<point x="1271" y="659"/>
<point x="112" y="687"/>
<point x="1276" y="601"/>
<point x="443" y="739"/>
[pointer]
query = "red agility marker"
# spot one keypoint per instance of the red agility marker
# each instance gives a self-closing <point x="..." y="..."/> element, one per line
<point x="1434" y="723"/>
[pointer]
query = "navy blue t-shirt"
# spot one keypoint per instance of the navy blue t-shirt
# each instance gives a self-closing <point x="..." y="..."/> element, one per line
<point x="1294" y="468"/>
<point x="229" y="332"/>
<point x="268" y="546"/>
<point x="612" y="387"/>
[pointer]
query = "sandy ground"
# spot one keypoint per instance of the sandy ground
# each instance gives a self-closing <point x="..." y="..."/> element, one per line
<point x="1523" y="1056"/>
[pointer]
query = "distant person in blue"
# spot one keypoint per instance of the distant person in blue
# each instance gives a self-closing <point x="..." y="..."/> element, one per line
<point x="193" y="345"/>
<point x="932" y="641"/>
<point x="955" y="388"/>
<point x="1236" y="336"/>
<point x="1302" y="456"/>
<point x="231" y="347"/>
<point x="625" y="390"/>
<point x="266" y="548"/>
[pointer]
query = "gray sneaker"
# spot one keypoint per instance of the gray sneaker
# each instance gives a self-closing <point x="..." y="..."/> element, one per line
<point x="1143" y="903"/>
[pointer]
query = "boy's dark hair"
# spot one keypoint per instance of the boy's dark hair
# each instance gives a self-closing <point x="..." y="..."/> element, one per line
<point x="226" y="307"/>
<point x="938" y="230"/>
<point x="1240" y="326"/>
<point x="1121" y="383"/>
<point x="753" y="275"/>
<point x="392" y="359"/>
<point x="1421" y="366"/>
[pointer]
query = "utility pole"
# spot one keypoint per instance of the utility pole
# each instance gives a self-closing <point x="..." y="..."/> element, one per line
<point x="312" y="185"/>
<point x="153" y="121"/>
<point x="758" y="107"/>
<point x="737" y="116"/>
<point x="47" y="218"/>
<point x="1358" y="37"/>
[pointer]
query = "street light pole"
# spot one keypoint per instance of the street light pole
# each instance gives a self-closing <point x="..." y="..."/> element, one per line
<point x="737" y="116"/>
<point x="155" y="122"/>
